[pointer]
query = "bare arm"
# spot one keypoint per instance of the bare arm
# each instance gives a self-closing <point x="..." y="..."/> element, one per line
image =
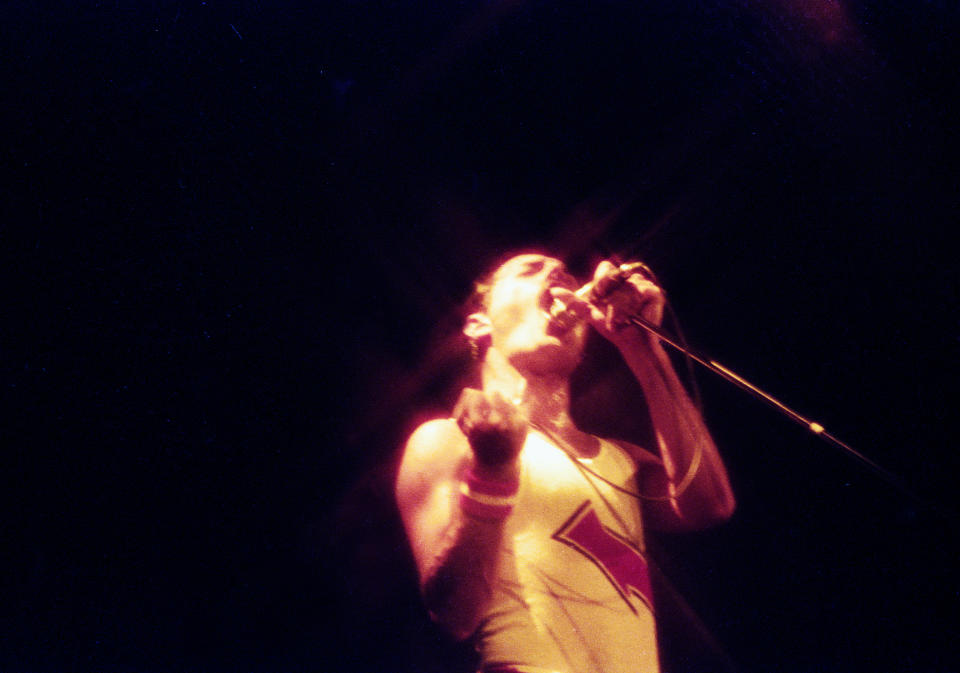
<point x="689" y="470"/>
<point x="455" y="552"/>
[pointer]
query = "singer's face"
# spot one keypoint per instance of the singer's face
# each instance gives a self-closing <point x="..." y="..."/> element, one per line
<point x="518" y="307"/>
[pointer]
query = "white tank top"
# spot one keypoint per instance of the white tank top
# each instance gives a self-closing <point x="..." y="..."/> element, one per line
<point x="571" y="592"/>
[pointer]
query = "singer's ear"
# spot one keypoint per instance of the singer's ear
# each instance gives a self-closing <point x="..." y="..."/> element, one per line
<point x="478" y="328"/>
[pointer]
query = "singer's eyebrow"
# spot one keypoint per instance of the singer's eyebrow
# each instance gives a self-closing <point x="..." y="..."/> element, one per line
<point x="522" y="266"/>
<point x="531" y="266"/>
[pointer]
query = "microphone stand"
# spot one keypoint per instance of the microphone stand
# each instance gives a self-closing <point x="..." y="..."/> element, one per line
<point x="743" y="384"/>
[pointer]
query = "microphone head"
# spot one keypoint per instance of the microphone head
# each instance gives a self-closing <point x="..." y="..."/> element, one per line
<point x="563" y="317"/>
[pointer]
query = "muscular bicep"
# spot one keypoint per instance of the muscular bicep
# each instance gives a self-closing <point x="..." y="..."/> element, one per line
<point x="426" y="488"/>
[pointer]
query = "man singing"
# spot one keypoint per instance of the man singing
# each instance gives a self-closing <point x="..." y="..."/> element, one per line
<point x="528" y="532"/>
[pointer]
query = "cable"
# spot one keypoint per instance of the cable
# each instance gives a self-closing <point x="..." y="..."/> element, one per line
<point x="564" y="446"/>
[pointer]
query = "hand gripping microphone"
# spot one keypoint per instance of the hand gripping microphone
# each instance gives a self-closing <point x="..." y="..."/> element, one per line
<point x="563" y="317"/>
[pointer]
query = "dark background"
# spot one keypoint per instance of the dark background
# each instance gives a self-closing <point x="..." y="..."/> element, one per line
<point x="237" y="236"/>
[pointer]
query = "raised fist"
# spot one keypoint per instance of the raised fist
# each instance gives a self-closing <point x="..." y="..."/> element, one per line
<point x="495" y="428"/>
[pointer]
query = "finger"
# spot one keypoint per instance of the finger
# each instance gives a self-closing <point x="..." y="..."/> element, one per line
<point x="474" y="409"/>
<point x="500" y="403"/>
<point x="467" y="395"/>
<point x="460" y="407"/>
<point x="603" y="268"/>
<point x="643" y="272"/>
<point x="507" y="413"/>
<point x="494" y="409"/>
<point x="650" y="301"/>
<point x="644" y="287"/>
<point x="483" y="409"/>
<point x="602" y="279"/>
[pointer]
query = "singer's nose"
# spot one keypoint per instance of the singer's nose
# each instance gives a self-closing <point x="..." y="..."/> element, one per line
<point x="559" y="277"/>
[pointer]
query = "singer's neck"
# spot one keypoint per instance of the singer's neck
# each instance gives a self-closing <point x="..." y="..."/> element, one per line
<point x="543" y="398"/>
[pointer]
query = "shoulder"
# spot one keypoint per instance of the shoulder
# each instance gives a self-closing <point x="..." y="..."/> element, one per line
<point x="434" y="441"/>
<point x="436" y="430"/>
<point x="434" y="452"/>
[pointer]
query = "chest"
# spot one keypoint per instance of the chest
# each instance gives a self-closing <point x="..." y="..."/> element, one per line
<point x="555" y="484"/>
<point x="573" y="524"/>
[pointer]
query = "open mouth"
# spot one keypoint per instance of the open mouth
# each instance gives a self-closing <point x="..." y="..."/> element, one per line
<point x="551" y="307"/>
<point x="546" y="299"/>
<point x="558" y="322"/>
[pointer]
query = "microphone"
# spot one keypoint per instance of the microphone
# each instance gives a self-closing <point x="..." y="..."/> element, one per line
<point x="563" y="317"/>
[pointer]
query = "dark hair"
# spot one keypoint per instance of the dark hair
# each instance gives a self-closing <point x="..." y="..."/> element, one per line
<point x="478" y="300"/>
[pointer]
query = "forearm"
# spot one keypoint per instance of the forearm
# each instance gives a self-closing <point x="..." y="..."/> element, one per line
<point x="457" y="582"/>
<point x="455" y="490"/>
<point x="457" y="587"/>
<point x="693" y="473"/>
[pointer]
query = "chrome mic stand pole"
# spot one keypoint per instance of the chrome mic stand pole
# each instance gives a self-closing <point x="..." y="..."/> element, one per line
<point x="739" y="381"/>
